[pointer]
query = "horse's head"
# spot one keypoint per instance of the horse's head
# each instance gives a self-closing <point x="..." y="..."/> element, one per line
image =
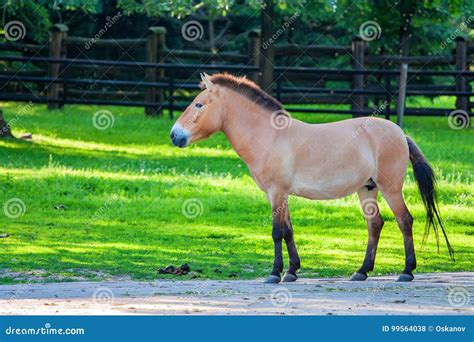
<point x="202" y="118"/>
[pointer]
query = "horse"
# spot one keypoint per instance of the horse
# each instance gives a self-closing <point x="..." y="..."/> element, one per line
<point x="287" y="157"/>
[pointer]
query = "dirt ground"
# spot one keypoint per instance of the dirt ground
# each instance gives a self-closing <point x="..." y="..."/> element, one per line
<point x="428" y="294"/>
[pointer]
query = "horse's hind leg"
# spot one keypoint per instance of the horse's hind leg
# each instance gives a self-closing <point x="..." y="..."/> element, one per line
<point x="370" y="209"/>
<point x="405" y="222"/>
<point x="290" y="274"/>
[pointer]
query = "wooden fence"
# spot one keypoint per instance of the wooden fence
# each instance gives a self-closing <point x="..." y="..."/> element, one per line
<point x="167" y="79"/>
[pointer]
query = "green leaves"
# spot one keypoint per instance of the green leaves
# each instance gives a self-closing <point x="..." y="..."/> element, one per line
<point x="176" y="8"/>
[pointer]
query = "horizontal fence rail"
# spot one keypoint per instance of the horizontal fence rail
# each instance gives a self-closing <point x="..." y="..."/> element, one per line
<point x="204" y="67"/>
<point x="171" y="85"/>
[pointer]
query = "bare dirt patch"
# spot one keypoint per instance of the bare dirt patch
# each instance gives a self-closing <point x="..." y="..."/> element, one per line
<point x="39" y="275"/>
<point x="434" y="294"/>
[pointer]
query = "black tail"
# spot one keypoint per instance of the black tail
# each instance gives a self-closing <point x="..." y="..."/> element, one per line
<point x="425" y="177"/>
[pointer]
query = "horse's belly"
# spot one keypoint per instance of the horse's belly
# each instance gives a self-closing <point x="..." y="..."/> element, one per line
<point x="339" y="184"/>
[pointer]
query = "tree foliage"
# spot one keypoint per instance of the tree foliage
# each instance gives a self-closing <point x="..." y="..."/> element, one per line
<point x="407" y="26"/>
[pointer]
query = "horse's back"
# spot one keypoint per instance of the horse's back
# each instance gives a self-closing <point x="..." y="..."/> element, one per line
<point x="379" y="134"/>
<point x="364" y="132"/>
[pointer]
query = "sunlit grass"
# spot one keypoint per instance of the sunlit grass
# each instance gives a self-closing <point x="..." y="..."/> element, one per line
<point x="119" y="194"/>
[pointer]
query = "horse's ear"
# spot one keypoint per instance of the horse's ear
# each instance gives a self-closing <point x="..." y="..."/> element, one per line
<point x="206" y="80"/>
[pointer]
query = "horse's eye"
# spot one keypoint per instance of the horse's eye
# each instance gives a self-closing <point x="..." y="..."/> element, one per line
<point x="198" y="105"/>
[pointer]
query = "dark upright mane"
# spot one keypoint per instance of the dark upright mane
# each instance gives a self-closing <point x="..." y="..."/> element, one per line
<point x="247" y="88"/>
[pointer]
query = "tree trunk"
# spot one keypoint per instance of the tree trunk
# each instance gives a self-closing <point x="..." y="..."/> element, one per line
<point x="5" y="131"/>
<point x="407" y="10"/>
<point x="404" y="38"/>
<point x="267" y="53"/>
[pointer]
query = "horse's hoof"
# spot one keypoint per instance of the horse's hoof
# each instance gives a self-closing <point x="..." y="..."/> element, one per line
<point x="272" y="279"/>
<point x="358" y="277"/>
<point x="405" y="277"/>
<point x="288" y="277"/>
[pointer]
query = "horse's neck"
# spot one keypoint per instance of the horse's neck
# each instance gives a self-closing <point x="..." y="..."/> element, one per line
<point x="244" y="125"/>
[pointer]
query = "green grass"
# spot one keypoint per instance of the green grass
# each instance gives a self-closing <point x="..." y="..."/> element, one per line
<point x="123" y="189"/>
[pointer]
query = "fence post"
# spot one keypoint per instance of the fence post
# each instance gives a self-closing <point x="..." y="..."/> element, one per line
<point x="358" y="61"/>
<point x="402" y="90"/>
<point x="155" y="46"/>
<point x="254" y="51"/>
<point x="267" y="54"/>
<point x="388" y="96"/>
<point x="171" y="97"/>
<point x="462" y="102"/>
<point x="57" y="34"/>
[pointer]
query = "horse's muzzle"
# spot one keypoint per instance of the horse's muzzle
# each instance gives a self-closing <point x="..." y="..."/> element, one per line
<point x="179" y="136"/>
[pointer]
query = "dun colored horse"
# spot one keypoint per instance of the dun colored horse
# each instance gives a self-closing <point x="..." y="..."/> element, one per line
<point x="317" y="161"/>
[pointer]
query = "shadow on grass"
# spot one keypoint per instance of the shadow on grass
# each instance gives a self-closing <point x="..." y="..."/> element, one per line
<point x="138" y="251"/>
<point x="23" y="155"/>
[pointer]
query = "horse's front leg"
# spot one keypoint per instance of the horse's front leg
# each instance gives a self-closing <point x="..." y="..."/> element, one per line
<point x="282" y="229"/>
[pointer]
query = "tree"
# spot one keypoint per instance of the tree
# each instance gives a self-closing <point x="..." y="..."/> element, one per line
<point x="5" y="131"/>
<point x="37" y="16"/>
